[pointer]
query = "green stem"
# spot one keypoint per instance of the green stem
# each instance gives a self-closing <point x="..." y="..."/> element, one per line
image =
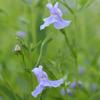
<point x="67" y="6"/>
<point x="64" y="33"/>
<point x="46" y="40"/>
<point x="41" y="51"/>
<point x="40" y="55"/>
<point x="30" y="24"/>
<point x="23" y="59"/>
<point x="70" y="47"/>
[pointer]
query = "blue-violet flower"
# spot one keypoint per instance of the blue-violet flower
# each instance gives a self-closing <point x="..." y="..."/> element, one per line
<point x="73" y="84"/>
<point x="62" y="91"/>
<point x="55" y="18"/>
<point x="43" y="81"/>
<point x="69" y="92"/>
<point x="21" y="34"/>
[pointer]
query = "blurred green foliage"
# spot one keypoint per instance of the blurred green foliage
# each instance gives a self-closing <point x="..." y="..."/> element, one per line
<point x="16" y="79"/>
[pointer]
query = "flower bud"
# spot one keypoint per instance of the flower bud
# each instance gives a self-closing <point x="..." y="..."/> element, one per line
<point x="17" y="48"/>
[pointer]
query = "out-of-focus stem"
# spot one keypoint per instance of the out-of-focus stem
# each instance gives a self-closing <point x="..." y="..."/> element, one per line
<point x="23" y="58"/>
<point x="40" y="55"/>
<point x="41" y="50"/>
<point x="70" y="47"/>
<point x="67" y="6"/>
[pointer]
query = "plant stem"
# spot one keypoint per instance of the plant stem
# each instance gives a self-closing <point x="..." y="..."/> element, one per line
<point x="70" y="47"/>
<point x="40" y="55"/>
<point x="23" y="58"/>
<point x="41" y="51"/>
<point x="46" y="40"/>
<point x="67" y="6"/>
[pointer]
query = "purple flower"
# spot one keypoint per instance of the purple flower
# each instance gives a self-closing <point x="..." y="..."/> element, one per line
<point x="93" y="87"/>
<point x="21" y="34"/>
<point x="43" y="81"/>
<point x="81" y="70"/>
<point x="73" y="84"/>
<point x="62" y="91"/>
<point x="55" y="18"/>
<point x="80" y="85"/>
<point x="69" y="92"/>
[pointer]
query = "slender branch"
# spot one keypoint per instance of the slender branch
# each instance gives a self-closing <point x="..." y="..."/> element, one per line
<point x="39" y="58"/>
<point x="41" y="50"/>
<point x="70" y="47"/>
<point x="23" y="58"/>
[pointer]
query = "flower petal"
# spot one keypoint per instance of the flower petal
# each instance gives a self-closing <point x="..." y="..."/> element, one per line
<point x="61" y="24"/>
<point x="48" y="21"/>
<point x="56" y="5"/>
<point x="37" y="72"/>
<point x="21" y="34"/>
<point x="69" y="92"/>
<point x="40" y="74"/>
<point x="49" y="6"/>
<point x="57" y="10"/>
<point x="73" y="84"/>
<point x="55" y="83"/>
<point x="38" y="90"/>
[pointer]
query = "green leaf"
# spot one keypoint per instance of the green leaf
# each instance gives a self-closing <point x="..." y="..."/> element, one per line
<point x="6" y="91"/>
<point x="83" y="2"/>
